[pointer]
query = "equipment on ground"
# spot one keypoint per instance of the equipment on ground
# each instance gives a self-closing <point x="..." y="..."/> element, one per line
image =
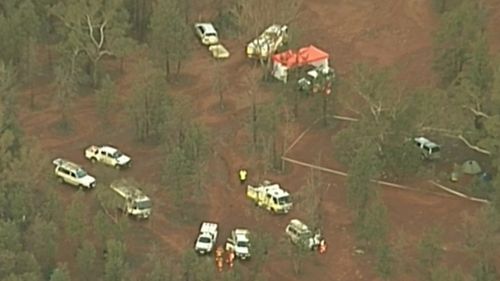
<point x="270" y="196"/>
<point x="317" y="80"/>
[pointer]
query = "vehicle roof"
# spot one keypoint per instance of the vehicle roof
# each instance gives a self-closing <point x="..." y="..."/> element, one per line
<point x="69" y="165"/>
<point x="208" y="27"/>
<point x="127" y="188"/>
<point x="241" y="234"/>
<point x="109" y="149"/>
<point x="275" y="28"/>
<point x="299" y="226"/>
<point x="276" y="190"/>
<point x="426" y="142"/>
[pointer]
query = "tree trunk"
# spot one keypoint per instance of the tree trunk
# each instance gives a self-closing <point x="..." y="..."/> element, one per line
<point x="167" y="68"/>
<point x="29" y="73"/>
<point x="95" y="80"/>
<point x="254" y="122"/>
<point x="221" y="100"/>
<point x="325" y="108"/>
<point x="122" y="62"/>
<point x="178" y="67"/>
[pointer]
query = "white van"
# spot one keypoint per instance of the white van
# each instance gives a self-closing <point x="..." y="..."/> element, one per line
<point x="429" y="149"/>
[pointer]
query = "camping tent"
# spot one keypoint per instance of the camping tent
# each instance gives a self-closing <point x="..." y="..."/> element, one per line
<point x="471" y="167"/>
<point x="305" y="56"/>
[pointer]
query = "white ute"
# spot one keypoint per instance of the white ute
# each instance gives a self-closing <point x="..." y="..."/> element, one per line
<point x="73" y="174"/>
<point x="132" y="200"/>
<point x="207" y="238"/>
<point x="108" y="155"/>
<point x="239" y="242"/>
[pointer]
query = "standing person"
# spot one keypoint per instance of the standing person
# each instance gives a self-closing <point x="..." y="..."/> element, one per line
<point x="242" y="174"/>
<point x="219" y="259"/>
<point x="230" y="258"/>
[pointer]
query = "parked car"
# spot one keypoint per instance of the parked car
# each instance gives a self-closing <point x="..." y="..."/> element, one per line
<point x="207" y="33"/>
<point x="71" y="173"/>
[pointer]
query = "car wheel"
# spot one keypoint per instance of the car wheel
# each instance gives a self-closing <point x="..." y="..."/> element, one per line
<point x="93" y="160"/>
<point x="61" y="180"/>
<point x="117" y="167"/>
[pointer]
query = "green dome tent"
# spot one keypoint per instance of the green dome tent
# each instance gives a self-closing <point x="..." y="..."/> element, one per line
<point x="471" y="167"/>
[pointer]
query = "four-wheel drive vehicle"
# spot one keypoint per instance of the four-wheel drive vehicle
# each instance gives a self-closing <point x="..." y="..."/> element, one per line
<point x="270" y="196"/>
<point x="268" y="42"/>
<point x="429" y="149"/>
<point x="239" y="242"/>
<point x="73" y="174"/>
<point x="207" y="33"/>
<point x="219" y="51"/>
<point x="207" y="238"/>
<point x="108" y="155"/>
<point x="131" y="199"/>
<point x="316" y="80"/>
<point x="299" y="234"/>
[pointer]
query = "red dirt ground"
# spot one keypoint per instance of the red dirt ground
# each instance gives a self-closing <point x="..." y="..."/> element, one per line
<point x="388" y="32"/>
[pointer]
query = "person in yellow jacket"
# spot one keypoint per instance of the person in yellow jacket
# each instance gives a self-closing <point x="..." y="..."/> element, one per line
<point x="242" y="175"/>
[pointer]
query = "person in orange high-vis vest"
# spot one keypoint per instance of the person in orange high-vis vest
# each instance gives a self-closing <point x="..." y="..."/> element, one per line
<point x="322" y="247"/>
<point x="230" y="258"/>
<point x="219" y="259"/>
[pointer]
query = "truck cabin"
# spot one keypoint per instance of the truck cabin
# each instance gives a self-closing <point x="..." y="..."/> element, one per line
<point x="110" y="152"/>
<point x="279" y="198"/>
<point x="142" y="204"/>
<point x="205" y="239"/>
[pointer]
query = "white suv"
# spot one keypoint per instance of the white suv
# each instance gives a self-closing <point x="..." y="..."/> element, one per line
<point x="207" y="33"/>
<point x="71" y="173"/>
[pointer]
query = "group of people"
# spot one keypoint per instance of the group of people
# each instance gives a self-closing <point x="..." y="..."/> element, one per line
<point x="219" y="258"/>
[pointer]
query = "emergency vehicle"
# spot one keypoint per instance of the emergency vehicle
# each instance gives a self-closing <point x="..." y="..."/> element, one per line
<point x="270" y="196"/>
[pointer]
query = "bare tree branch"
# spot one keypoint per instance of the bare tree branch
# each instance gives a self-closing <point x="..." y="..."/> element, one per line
<point x="478" y="112"/>
<point x="457" y="135"/>
<point x="473" y="147"/>
<point x="91" y="31"/>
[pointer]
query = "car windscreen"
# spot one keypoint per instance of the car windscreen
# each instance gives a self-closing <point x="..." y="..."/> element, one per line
<point x="242" y="244"/>
<point x="117" y="154"/>
<point x="435" y="149"/>
<point x="144" y="204"/>
<point x="284" y="200"/>
<point x="204" y="240"/>
<point x="210" y="34"/>
<point x="80" y="173"/>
